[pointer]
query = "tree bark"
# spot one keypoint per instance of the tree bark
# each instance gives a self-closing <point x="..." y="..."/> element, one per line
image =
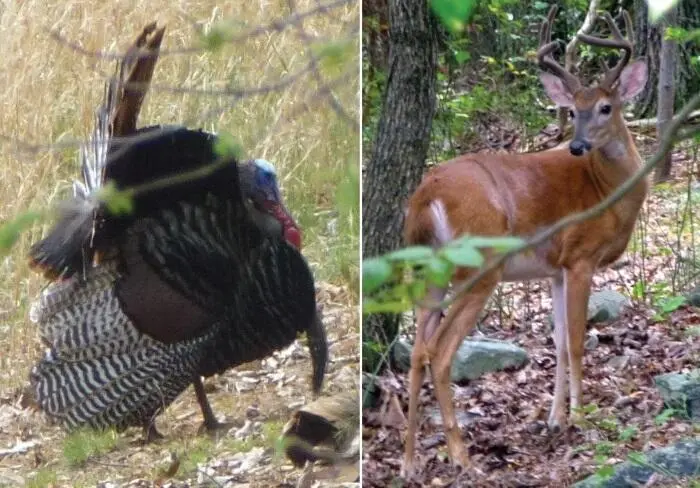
<point x="648" y="46"/>
<point x="666" y="91"/>
<point x="403" y="136"/>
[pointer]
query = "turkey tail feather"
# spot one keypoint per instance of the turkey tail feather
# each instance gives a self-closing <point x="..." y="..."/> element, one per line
<point x="68" y="248"/>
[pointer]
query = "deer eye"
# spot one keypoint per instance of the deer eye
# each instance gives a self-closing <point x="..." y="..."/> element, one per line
<point x="606" y="109"/>
<point x="572" y="114"/>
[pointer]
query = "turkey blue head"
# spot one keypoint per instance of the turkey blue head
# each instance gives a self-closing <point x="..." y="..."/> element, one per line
<point x="264" y="192"/>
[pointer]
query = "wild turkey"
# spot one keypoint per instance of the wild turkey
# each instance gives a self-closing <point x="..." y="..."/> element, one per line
<point x="197" y="278"/>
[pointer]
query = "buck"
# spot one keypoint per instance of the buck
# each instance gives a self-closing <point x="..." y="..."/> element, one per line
<point x="519" y="194"/>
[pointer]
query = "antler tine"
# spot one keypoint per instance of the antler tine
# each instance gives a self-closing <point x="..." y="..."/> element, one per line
<point x="544" y="53"/>
<point x="618" y="41"/>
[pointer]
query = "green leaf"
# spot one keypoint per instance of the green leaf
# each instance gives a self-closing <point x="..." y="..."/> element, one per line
<point x="638" y="458"/>
<point x="118" y="202"/>
<point x="462" y="56"/>
<point x="370" y="306"/>
<point x="417" y="290"/>
<point x="463" y="256"/>
<point x="539" y="5"/>
<point x="629" y="433"/>
<point x="414" y="254"/>
<point x="226" y="146"/>
<point x="11" y="230"/>
<point x="454" y="14"/>
<point x="500" y="244"/>
<point x="664" y="416"/>
<point x="605" y="472"/>
<point x="608" y="424"/>
<point x="439" y="271"/>
<point x="375" y="272"/>
<point x="672" y="304"/>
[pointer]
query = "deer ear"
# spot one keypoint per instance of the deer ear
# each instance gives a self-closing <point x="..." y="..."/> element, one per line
<point x="632" y="80"/>
<point x="556" y="90"/>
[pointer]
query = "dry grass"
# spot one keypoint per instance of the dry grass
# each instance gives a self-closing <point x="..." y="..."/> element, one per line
<point x="49" y="92"/>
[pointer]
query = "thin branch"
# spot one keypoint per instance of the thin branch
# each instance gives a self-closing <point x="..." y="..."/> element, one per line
<point x="665" y="145"/>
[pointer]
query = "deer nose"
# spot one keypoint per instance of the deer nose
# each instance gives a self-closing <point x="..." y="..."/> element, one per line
<point x="578" y="147"/>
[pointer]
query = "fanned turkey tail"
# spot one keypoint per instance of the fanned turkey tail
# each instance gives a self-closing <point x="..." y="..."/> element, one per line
<point x="68" y="248"/>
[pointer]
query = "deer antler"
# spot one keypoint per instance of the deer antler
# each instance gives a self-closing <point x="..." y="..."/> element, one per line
<point x="544" y="54"/>
<point x="618" y="41"/>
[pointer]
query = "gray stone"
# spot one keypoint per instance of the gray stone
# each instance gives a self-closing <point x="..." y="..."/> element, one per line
<point x="464" y="418"/>
<point x="680" y="459"/>
<point x="402" y="355"/>
<point x="370" y="391"/>
<point x="603" y="305"/>
<point x="476" y="357"/>
<point x="694" y="297"/>
<point x="473" y="358"/>
<point x="606" y="305"/>
<point x="681" y="391"/>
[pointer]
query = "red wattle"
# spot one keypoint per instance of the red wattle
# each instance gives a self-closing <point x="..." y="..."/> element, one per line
<point x="292" y="233"/>
<point x="293" y="236"/>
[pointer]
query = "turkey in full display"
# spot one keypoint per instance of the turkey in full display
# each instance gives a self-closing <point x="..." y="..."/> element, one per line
<point x="198" y="271"/>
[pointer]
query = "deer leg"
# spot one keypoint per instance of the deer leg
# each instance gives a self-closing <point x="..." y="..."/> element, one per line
<point x="557" y="415"/>
<point x="578" y="289"/>
<point x="415" y="381"/>
<point x="427" y="321"/>
<point x="460" y="320"/>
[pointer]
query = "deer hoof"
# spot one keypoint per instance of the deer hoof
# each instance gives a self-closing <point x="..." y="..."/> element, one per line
<point x="556" y="423"/>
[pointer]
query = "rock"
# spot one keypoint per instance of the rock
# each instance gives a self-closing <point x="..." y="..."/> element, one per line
<point x="464" y="417"/>
<point x="680" y="459"/>
<point x="476" y="357"/>
<point x="681" y="391"/>
<point x="473" y="358"/>
<point x="603" y="305"/>
<point x="618" y="362"/>
<point x="402" y="355"/>
<point x="606" y="305"/>
<point x="371" y="395"/>
<point x="592" y="342"/>
<point x="693" y="297"/>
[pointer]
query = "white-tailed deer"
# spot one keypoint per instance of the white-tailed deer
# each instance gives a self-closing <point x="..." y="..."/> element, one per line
<point x="519" y="194"/>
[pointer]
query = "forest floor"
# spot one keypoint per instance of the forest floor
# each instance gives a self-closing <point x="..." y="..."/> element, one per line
<point x="503" y="415"/>
<point x="257" y="398"/>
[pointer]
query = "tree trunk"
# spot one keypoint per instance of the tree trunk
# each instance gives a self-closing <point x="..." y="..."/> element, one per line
<point x="648" y="46"/>
<point x="403" y="136"/>
<point x="666" y="91"/>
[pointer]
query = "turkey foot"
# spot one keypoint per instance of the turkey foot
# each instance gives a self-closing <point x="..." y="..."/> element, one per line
<point x="210" y="424"/>
<point x="151" y="434"/>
